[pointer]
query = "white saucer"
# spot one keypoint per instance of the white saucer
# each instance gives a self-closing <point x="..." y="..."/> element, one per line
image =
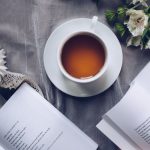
<point x="72" y="88"/>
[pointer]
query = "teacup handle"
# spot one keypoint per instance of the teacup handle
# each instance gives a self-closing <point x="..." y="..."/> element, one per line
<point x="94" y="22"/>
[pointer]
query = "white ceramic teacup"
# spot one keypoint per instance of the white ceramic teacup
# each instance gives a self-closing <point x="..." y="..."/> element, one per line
<point x="90" y="32"/>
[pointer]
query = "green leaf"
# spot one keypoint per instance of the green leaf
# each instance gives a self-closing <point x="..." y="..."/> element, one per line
<point x="120" y="28"/>
<point x="110" y="15"/>
<point x="147" y="10"/>
<point x="145" y="32"/>
<point x="145" y="37"/>
<point x="121" y="11"/>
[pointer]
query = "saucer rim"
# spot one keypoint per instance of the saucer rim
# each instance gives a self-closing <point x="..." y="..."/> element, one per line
<point x="76" y="94"/>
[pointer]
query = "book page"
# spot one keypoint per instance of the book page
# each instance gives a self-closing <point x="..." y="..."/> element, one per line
<point x="143" y="78"/>
<point x="1" y="148"/>
<point x="116" y="135"/>
<point x="29" y="122"/>
<point x="132" y="116"/>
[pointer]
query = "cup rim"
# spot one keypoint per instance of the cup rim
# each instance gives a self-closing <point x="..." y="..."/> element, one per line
<point x="66" y="74"/>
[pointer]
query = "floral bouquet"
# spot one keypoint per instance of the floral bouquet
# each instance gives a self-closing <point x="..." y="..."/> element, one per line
<point x="132" y="21"/>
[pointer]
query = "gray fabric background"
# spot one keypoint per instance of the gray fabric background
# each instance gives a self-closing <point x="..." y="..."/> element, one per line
<point x="25" y="26"/>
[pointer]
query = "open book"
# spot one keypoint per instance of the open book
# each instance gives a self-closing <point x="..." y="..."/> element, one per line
<point x="128" y="123"/>
<point x="29" y="122"/>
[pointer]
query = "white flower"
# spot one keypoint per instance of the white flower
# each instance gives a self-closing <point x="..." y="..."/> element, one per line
<point x="2" y="62"/>
<point x="143" y="2"/>
<point x="135" y="1"/>
<point x="135" y="41"/>
<point x="138" y="20"/>
<point x="148" y="45"/>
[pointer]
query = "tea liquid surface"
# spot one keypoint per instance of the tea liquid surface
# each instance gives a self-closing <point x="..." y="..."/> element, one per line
<point x="83" y="56"/>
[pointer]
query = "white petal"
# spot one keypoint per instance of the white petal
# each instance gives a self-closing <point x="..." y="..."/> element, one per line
<point x="2" y="61"/>
<point x="3" y="67"/>
<point x="129" y="43"/>
<point x="148" y="45"/>
<point x="141" y="1"/>
<point x="137" y="27"/>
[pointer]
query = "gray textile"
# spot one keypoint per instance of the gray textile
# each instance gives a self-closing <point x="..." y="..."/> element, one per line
<point x="25" y="26"/>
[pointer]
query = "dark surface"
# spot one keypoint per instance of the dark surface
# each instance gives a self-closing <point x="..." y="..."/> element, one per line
<point x="25" y="26"/>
